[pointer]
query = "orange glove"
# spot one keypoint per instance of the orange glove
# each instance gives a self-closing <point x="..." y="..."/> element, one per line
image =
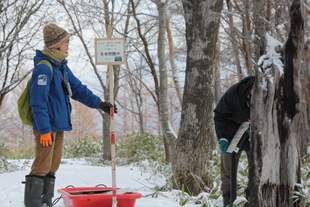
<point x="46" y="139"/>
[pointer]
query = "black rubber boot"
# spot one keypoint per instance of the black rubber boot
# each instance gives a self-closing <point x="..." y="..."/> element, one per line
<point x="33" y="191"/>
<point x="48" y="190"/>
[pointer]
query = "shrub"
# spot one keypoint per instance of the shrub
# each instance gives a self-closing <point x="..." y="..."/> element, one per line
<point x="137" y="147"/>
<point x="24" y="153"/>
<point x="4" y="151"/>
<point x="5" y="166"/>
<point x="86" y="147"/>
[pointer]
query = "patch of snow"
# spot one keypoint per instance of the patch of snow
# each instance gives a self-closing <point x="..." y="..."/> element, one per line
<point x="139" y="177"/>
<point x="240" y="200"/>
<point x="79" y="173"/>
<point x="272" y="56"/>
<point x="6" y="166"/>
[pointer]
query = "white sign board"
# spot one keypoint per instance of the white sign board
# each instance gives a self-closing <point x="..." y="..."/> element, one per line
<point x="110" y="51"/>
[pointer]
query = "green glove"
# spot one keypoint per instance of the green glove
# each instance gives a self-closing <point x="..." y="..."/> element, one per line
<point x="223" y="145"/>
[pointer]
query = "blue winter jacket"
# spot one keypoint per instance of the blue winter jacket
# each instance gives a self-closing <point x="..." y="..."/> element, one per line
<point x="50" y="105"/>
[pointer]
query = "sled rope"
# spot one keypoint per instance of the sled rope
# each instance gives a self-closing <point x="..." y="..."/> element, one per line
<point x="56" y="200"/>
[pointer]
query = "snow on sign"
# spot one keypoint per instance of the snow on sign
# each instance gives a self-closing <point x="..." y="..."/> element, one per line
<point x="110" y="51"/>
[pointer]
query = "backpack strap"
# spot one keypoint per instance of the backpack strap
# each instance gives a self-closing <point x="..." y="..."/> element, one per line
<point x="46" y="62"/>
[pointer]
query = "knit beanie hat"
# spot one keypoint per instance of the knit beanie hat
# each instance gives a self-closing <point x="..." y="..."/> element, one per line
<point x="54" y="35"/>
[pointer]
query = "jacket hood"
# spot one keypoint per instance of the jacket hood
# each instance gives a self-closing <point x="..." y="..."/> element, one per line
<point x="245" y="85"/>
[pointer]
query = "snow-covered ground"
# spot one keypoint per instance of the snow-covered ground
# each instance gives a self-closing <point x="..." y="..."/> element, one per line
<point x="79" y="173"/>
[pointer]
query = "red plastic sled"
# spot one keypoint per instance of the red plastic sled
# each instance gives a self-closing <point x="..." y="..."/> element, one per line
<point x="96" y="197"/>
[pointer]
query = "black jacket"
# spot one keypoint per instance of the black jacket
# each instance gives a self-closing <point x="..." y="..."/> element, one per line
<point x="233" y="108"/>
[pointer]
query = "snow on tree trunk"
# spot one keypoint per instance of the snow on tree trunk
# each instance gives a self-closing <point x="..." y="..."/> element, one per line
<point x="276" y="118"/>
<point x="195" y="141"/>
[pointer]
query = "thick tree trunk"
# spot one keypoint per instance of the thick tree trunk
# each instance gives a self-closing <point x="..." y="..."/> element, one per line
<point x="167" y="130"/>
<point x="276" y="118"/>
<point x="306" y="80"/>
<point x="258" y="11"/>
<point x="191" y="168"/>
<point x="305" y="99"/>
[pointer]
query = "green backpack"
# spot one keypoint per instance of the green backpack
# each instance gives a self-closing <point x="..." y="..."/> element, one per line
<point x="23" y="102"/>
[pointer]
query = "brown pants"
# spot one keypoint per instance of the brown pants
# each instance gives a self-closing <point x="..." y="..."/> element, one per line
<point x="47" y="159"/>
<point x="229" y="168"/>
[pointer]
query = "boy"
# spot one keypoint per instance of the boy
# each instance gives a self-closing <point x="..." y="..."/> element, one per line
<point x="52" y="86"/>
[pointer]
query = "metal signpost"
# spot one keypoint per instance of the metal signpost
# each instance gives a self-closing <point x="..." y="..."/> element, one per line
<point x="111" y="52"/>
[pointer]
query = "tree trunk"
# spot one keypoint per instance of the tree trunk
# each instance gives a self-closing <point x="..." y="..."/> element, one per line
<point x="276" y="118"/>
<point x="106" y="145"/>
<point x="1" y="99"/>
<point x="217" y="75"/>
<point x="191" y="168"/>
<point x="258" y="50"/>
<point x="106" y="118"/>
<point x="246" y="40"/>
<point x="305" y="99"/>
<point x="167" y="130"/>
<point x="259" y="28"/>
<point x="233" y="40"/>
<point x="160" y="84"/>
<point x="141" y="121"/>
<point x="268" y="14"/>
<point x="172" y="62"/>
<point x="140" y="102"/>
<point x="135" y="85"/>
